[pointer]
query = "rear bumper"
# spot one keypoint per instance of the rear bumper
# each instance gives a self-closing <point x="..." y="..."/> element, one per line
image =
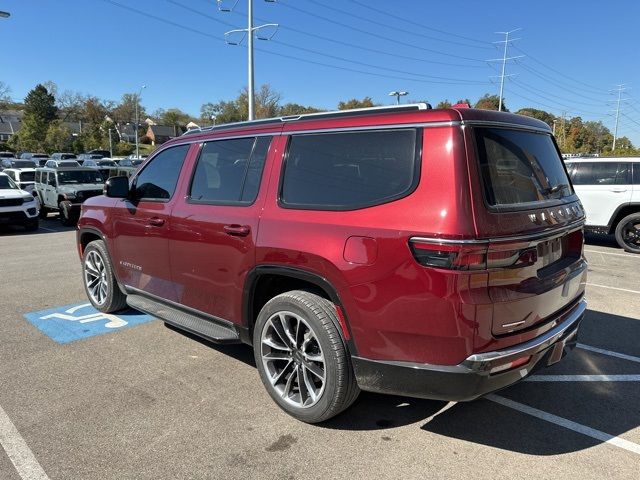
<point x="471" y="378"/>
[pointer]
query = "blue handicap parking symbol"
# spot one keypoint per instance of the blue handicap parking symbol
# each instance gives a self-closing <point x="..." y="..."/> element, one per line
<point x="75" y="322"/>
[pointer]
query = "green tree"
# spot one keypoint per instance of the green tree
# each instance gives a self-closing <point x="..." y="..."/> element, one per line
<point x="490" y="102"/>
<point x="267" y="105"/>
<point x="125" y="111"/>
<point x="444" y="104"/>
<point x="39" y="111"/>
<point x="174" y="116"/>
<point x="58" y="137"/>
<point x="295" y="109"/>
<point x="355" y="103"/>
<point x="538" y="114"/>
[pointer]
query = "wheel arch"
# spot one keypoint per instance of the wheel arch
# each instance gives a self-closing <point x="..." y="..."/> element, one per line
<point x="266" y="281"/>
<point x="621" y="212"/>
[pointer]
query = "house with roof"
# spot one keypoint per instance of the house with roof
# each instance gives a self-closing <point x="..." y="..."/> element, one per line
<point x="158" y="134"/>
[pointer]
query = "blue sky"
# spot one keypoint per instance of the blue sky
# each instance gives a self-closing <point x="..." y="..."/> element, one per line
<point x="327" y="51"/>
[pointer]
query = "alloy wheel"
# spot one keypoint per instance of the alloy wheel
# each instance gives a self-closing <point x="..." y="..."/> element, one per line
<point x="631" y="234"/>
<point x="293" y="359"/>
<point x="95" y="277"/>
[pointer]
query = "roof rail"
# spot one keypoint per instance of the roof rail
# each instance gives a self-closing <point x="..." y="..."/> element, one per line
<point x="310" y="116"/>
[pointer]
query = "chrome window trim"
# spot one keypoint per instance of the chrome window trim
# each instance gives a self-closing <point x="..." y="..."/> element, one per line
<point x="550" y="232"/>
<point x="389" y="126"/>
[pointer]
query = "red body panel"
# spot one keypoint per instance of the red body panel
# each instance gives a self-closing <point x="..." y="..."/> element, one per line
<point x="396" y="309"/>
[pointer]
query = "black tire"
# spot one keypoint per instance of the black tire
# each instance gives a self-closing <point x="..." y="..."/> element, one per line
<point x="44" y="211"/>
<point x="32" y="225"/>
<point x="65" y="217"/>
<point x="113" y="299"/>
<point x="628" y="233"/>
<point x="339" y="388"/>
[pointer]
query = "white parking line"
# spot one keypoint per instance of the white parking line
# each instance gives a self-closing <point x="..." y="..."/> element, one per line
<point x="613" y="288"/>
<point x="18" y="451"/>
<point x="614" y="254"/>
<point x="609" y="352"/>
<point x="563" y="422"/>
<point x="583" y="378"/>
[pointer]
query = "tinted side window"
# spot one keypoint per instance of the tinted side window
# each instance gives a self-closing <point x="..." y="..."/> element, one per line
<point x="636" y="173"/>
<point x="601" y="173"/>
<point x="229" y="171"/>
<point x="159" y="178"/>
<point x="52" y="179"/>
<point x="346" y="171"/>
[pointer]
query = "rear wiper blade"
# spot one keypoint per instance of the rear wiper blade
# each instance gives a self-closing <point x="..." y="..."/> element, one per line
<point x="557" y="188"/>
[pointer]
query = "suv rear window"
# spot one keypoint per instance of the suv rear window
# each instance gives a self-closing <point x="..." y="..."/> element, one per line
<point x="346" y="171"/>
<point x="520" y="167"/>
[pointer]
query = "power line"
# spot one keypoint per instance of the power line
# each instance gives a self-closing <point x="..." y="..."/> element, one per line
<point x="397" y="17"/>
<point x="597" y="90"/>
<point x="376" y="35"/>
<point x="386" y="25"/>
<point x="621" y="88"/>
<point x="282" y="55"/>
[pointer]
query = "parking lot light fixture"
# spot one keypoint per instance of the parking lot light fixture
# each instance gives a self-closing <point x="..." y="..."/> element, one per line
<point x="398" y="94"/>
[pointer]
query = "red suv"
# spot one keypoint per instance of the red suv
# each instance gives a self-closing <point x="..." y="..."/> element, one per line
<point x="403" y="250"/>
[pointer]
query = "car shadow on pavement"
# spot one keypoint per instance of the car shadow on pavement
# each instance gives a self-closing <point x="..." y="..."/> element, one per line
<point x="606" y="406"/>
<point x="51" y="225"/>
<point x="601" y="240"/>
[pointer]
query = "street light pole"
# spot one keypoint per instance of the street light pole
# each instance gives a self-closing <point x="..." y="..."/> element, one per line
<point x="110" y="145"/>
<point x="398" y="94"/>
<point x="138" y="121"/>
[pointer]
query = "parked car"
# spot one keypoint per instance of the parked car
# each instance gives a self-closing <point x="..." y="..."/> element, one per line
<point x="7" y="155"/>
<point x="15" y="163"/>
<point x="63" y="189"/>
<point x="609" y="189"/>
<point x="102" y="165"/>
<point x="403" y="250"/>
<point x="88" y="156"/>
<point x="119" y="172"/>
<point x="64" y="156"/>
<point x="103" y="153"/>
<point x="127" y="162"/>
<point x="33" y="156"/>
<point x="61" y="163"/>
<point x="25" y="178"/>
<point x="17" y="207"/>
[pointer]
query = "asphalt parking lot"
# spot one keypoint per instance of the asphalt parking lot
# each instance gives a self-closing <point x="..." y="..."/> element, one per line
<point x="144" y="401"/>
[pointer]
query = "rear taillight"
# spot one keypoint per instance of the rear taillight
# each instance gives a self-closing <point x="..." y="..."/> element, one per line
<point x="471" y="254"/>
<point x="449" y="255"/>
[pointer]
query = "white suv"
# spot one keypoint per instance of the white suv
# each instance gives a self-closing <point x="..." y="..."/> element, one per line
<point x="609" y="189"/>
<point x="17" y="207"/>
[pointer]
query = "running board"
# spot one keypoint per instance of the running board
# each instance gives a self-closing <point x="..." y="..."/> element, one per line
<point x="203" y="327"/>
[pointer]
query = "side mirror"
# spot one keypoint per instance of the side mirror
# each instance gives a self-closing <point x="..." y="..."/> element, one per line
<point x="116" y="187"/>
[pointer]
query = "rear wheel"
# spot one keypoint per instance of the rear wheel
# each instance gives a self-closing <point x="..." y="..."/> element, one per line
<point x="628" y="233"/>
<point x="99" y="281"/>
<point x="65" y="215"/>
<point x="301" y="356"/>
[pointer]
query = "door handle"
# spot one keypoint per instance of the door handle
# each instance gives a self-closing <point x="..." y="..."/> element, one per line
<point x="156" y="222"/>
<point x="618" y="190"/>
<point x="237" y="230"/>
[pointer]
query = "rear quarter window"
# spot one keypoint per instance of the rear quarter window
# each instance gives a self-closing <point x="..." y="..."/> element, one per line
<point x="350" y="170"/>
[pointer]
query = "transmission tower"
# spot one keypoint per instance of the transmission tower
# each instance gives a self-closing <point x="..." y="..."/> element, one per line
<point x="504" y="60"/>
<point x="248" y="33"/>
<point x="620" y="89"/>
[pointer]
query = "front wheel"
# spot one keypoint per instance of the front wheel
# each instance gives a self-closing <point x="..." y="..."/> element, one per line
<point x="628" y="233"/>
<point x="65" y="214"/>
<point x="301" y="357"/>
<point x="99" y="281"/>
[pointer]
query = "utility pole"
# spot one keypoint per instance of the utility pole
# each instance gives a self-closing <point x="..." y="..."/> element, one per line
<point x="110" y="145"/>
<point x="248" y="32"/>
<point x="620" y="88"/>
<point x="504" y="60"/>
<point x="564" y="137"/>
<point x="138" y="121"/>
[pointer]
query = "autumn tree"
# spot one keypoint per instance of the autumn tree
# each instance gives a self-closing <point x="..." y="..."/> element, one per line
<point x="444" y="104"/>
<point x="490" y="102"/>
<point x="295" y="109"/>
<point x="355" y="103"/>
<point x="546" y="117"/>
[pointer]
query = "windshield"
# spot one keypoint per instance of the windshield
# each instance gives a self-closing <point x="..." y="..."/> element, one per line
<point x="27" y="176"/>
<point x="520" y="167"/>
<point x="107" y="163"/>
<point x="79" y="176"/>
<point x="7" y="183"/>
<point x="23" y="164"/>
